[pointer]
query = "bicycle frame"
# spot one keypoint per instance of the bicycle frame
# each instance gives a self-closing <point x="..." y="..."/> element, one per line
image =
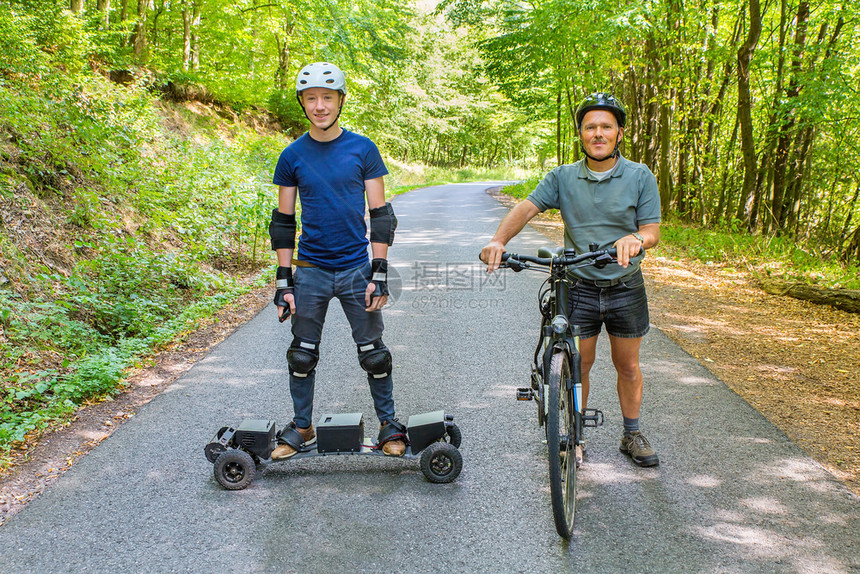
<point x="557" y="375"/>
<point x="566" y="341"/>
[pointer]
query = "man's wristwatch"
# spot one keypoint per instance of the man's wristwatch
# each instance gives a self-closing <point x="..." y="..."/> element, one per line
<point x="638" y="236"/>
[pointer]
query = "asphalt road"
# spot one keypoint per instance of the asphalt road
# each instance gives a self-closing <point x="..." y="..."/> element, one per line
<point x="732" y="493"/>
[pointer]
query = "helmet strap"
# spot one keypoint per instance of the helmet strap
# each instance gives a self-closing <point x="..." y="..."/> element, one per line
<point x="610" y="156"/>
<point x="335" y="119"/>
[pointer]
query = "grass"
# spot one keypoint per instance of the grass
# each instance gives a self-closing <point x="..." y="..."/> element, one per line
<point x="761" y="255"/>
<point x="39" y="393"/>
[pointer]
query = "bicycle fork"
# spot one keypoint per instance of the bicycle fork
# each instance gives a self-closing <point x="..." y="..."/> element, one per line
<point x="585" y="417"/>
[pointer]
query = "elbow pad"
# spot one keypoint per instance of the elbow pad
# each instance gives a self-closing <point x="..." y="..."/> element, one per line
<point x="282" y="230"/>
<point x="382" y="224"/>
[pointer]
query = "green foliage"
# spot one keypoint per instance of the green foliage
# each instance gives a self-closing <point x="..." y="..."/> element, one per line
<point x="522" y="189"/>
<point x="284" y="105"/>
<point x="148" y="218"/>
<point x="20" y="44"/>
<point x="34" y="398"/>
<point x="408" y="176"/>
<point x="675" y="66"/>
<point x="129" y="289"/>
<point x="764" y="256"/>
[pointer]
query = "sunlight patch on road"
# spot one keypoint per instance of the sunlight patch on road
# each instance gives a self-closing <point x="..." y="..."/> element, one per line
<point x="765" y="505"/>
<point x="699" y="381"/>
<point x="704" y="481"/>
<point x="603" y="473"/>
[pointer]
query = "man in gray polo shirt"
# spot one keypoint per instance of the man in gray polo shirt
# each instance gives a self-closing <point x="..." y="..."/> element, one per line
<point x="610" y="201"/>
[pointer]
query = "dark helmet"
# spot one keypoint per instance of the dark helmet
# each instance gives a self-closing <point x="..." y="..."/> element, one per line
<point x="601" y="101"/>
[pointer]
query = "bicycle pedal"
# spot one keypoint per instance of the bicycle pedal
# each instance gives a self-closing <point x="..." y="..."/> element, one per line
<point x="592" y="418"/>
<point x="524" y="394"/>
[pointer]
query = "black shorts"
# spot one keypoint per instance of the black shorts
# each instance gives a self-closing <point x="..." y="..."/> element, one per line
<point x="623" y="308"/>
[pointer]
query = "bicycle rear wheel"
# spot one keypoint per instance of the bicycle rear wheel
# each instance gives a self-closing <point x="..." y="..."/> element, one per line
<point x="561" y="444"/>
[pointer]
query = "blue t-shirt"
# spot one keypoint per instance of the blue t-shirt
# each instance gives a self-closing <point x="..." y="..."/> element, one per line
<point x="330" y="178"/>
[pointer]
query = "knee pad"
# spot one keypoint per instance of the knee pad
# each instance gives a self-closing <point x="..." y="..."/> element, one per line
<point x="302" y="357"/>
<point x="375" y="359"/>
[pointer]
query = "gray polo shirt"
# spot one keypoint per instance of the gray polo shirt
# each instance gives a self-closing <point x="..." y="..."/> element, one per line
<point x="600" y="212"/>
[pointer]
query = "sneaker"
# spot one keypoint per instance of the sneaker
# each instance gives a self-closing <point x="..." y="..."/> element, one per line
<point x="283" y="451"/>
<point x="637" y="447"/>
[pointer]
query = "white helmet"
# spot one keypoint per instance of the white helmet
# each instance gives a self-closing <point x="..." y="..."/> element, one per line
<point x="320" y="75"/>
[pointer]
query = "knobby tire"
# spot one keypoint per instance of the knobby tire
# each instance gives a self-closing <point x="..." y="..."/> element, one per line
<point x="561" y="445"/>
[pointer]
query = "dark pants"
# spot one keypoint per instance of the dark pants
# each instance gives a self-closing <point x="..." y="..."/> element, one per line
<point x="315" y="287"/>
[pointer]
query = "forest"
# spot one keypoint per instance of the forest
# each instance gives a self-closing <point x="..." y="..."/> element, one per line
<point x="745" y="111"/>
<point x="137" y="140"/>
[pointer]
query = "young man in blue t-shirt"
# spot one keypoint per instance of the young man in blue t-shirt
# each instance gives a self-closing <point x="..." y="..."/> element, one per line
<point x="332" y="170"/>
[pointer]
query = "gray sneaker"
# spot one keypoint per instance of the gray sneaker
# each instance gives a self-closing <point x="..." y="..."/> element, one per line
<point x="637" y="447"/>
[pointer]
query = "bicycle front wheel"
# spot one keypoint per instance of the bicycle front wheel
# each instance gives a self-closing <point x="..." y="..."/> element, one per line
<point x="561" y="444"/>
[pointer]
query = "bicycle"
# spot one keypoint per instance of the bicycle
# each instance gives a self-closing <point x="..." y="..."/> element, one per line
<point x="556" y="378"/>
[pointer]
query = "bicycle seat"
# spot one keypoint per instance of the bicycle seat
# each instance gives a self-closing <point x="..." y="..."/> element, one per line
<point x="550" y="251"/>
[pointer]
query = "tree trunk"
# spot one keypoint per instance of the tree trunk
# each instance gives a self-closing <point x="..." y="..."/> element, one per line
<point x="847" y="225"/>
<point x="186" y="37"/>
<point x="157" y="11"/>
<point x="724" y="207"/>
<point x="652" y="107"/>
<point x="794" y="195"/>
<point x="633" y="114"/>
<point x="845" y="299"/>
<point x="104" y="6"/>
<point x="558" y="128"/>
<point x="76" y="6"/>
<point x="282" y="73"/>
<point x="745" y="53"/>
<point x="681" y="189"/>
<point x="195" y="37"/>
<point x="766" y="169"/>
<point x="781" y="156"/>
<point x="852" y="250"/>
<point x="665" y="183"/>
<point x="700" y="101"/>
<point x="793" y="200"/>
<point x="139" y="42"/>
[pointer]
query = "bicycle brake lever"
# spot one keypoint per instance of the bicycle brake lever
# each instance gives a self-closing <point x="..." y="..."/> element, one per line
<point x="602" y="260"/>
<point x="514" y="265"/>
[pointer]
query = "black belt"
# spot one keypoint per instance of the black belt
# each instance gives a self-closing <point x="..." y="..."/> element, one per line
<point x="604" y="283"/>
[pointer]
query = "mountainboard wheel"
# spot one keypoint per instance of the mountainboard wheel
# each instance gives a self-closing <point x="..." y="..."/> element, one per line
<point x="235" y="469"/>
<point x="441" y="462"/>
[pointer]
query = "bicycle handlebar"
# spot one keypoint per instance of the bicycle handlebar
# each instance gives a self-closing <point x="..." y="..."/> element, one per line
<point x="599" y="258"/>
<point x="601" y="255"/>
